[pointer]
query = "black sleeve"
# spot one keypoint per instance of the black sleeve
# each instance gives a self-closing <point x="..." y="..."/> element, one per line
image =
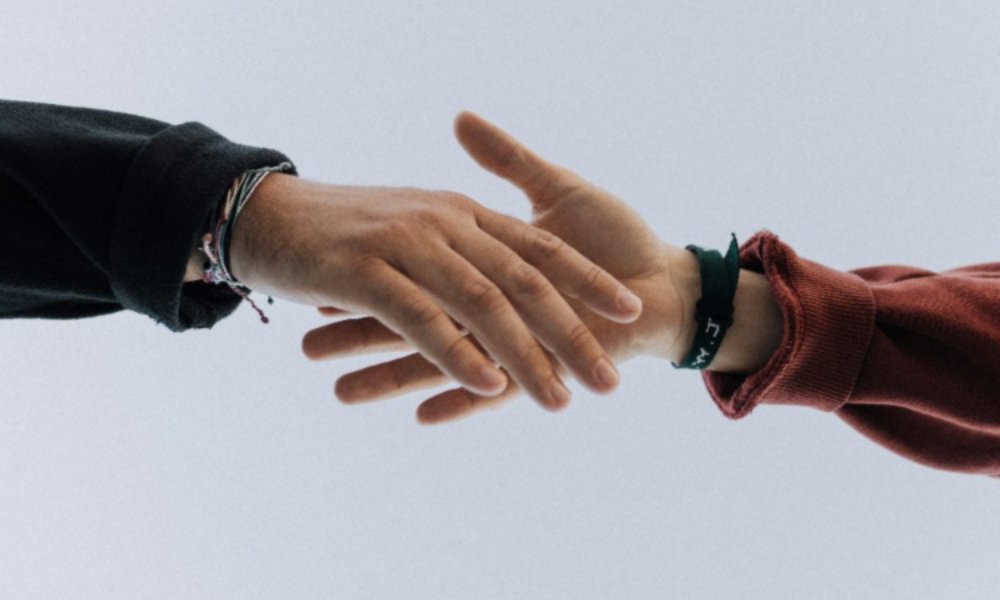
<point x="99" y="211"/>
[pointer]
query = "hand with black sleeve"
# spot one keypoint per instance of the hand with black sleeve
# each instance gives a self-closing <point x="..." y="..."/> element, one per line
<point x="104" y="211"/>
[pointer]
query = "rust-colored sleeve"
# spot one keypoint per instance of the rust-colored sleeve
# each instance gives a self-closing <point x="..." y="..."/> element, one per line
<point x="908" y="357"/>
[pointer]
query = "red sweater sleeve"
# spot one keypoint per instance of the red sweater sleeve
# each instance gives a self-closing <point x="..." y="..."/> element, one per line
<point x="908" y="357"/>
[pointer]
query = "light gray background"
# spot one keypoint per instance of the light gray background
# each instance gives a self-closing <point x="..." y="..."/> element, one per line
<point x="861" y="132"/>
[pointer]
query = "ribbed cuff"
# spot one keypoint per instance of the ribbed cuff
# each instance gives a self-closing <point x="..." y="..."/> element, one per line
<point x="829" y="317"/>
<point x="172" y="187"/>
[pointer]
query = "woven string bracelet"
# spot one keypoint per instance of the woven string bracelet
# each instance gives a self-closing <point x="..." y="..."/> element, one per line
<point x="714" y="311"/>
<point x="215" y="246"/>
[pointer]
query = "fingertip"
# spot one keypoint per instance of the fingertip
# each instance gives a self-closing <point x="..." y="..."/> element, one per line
<point x="463" y="115"/>
<point x="492" y="382"/>
<point x="559" y="396"/>
<point x="629" y="302"/>
<point x="606" y="375"/>
<point x="468" y="116"/>
<point x="441" y="409"/>
<point x="426" y="416"/>
<point x="627" y="307"/>
<point x="463" y="120"/>
<point x="306" y="346"/>
<point x="345" y="392"/>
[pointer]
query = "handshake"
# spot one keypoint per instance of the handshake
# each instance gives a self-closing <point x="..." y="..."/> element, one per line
<point x="488" y="301"/>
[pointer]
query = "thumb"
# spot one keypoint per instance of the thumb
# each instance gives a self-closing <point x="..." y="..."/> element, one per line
<point x="499" y="153"/>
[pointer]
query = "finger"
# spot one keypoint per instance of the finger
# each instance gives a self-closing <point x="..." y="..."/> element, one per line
<point x="476" y="302"/>
<point x="459" y="403"/>
<point x="413" y="373"/>
<point x="392" y="378"/>
<point x="498" y="152"/>
<point x="405" y="308"/>
<point x="543" y="309"/>
<point x="571" y="272"/>
<point x="332" y="311"/>
<point x="354" y="336"/>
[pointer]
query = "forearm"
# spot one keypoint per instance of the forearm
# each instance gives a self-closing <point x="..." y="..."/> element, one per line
<point x="756" y="330"/>
<point x="905" y="355"/>
<point x="240" y="247"/>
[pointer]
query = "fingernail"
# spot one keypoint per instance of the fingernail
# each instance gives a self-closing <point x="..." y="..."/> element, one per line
<point x="493" y="379"/>
<point x="559" y="396"/>
<point x="606" y="373"/>
<point x="629" y="301"/>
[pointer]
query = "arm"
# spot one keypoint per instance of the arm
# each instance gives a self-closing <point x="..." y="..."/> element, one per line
<point x="105" y="210"/>
<point x="101" y="211"/>
<point x="908" y="357"/>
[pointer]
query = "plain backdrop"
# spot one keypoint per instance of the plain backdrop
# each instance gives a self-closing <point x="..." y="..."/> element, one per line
<point x="862" y="133"/>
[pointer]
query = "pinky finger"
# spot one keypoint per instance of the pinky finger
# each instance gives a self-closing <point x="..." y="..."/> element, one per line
<point x="458" y="403"/>
<point x="385" y="380"/>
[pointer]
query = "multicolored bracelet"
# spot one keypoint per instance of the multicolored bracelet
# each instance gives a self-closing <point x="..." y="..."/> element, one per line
<point x="215" y="245"/>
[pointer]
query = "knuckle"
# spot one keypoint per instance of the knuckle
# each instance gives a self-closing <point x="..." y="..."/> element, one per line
<point x="455" y="352"/>
<point x="428" y="217"/>
<point x="418" y="314"/>
<point x="397" y="230"/>
<point x="592" y="278"/>
<point x="366" y="269"/>
<point x="533" y="360"/>
<point x="529" y="281"/>
<point x="441" y="210"/>
<point x="459" y="200"/>
<point x="545" y="245"/>
<point x="482" y="297"/>
<point x="580" y="340"/>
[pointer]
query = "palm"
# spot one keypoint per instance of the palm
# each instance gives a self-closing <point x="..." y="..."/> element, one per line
<point x="611" y="234"/>
<point x="603" y="228"/>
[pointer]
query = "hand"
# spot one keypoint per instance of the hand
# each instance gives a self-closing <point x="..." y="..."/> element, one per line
<point x="426" y="265"/>
<point x="599" y="225"/>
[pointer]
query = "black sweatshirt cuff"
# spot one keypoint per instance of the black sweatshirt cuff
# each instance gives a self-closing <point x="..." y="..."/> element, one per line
<point x="171" y="189"/>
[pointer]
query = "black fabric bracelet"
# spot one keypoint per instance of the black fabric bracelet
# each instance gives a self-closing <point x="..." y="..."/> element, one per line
<point x="714" y="311"/>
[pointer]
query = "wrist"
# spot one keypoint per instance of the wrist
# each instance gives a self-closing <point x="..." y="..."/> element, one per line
<point x="757" y="330"/>
<point x="258" y="215"/>
<point x="666" y="327"/>
<point x="758" y="324"/>
<point x="685" y="277"/>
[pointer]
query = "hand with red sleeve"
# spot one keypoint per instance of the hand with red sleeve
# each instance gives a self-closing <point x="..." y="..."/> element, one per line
<point x="908" y="357"/>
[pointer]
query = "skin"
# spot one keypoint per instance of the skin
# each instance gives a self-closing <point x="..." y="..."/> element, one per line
<point x="432" y="267"/>
<point x="606" y="231"/>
